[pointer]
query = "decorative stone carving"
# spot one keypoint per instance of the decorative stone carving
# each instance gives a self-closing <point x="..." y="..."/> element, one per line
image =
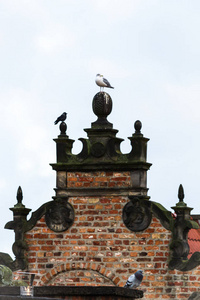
<point x="136" y="216"/>
<point x="5" y="276"/>
<point x="59" y="216"/>
<point x="101" y="148"/>
<point x="18" y="224"/>
<point x="98" y="149"/>
<point x="179" y="244"/>
<point x="102" y="107"/>
<point x="194" y="296"/>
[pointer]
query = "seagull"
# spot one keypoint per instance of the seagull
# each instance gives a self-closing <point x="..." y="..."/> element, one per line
<point x="134" y="280"/>
<point x="61" y="118"/>
<point x="102" y="82"/>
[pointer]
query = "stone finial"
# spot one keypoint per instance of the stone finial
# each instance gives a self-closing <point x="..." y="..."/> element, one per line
<point x="181" y="196"/>
<point x="102" y="107"/>
<point x="138" y="126"/>
<point x="181" y="193"/>
<point x="179" y="247"/>
<point x="19" y="225"/>
<point x="101" y="148"/>
<point x="102" y="104"/>
<point x="19" y="204"/>
<point x="19" y="195"/>
<point x="63" y="128"/>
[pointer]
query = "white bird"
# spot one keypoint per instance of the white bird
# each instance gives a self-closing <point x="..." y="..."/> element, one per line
<point x="102" y="82"/>
<point x="134" y="280"/>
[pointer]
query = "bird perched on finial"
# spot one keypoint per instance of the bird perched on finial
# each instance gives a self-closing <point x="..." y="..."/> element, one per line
<point x="102" y="82"/>
<point x="61" y="118"/>
<point x="134" y="280"/>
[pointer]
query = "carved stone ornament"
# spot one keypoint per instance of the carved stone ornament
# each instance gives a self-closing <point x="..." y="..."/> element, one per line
<point x="59" y="216"/>
<point x="136" y="217"/>
<point x="98" y="149"/>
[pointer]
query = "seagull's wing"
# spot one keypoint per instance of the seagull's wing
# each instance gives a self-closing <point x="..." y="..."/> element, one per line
<point x="106" y="82"/>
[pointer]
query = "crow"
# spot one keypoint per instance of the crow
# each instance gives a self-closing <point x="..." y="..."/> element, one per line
<point x="61" y="118"/>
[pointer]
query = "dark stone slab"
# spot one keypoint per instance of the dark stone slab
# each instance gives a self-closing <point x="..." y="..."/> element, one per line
<point x="57" y="292"/>
<point x="9" y="290"/>
<point x="87" y="290"/>
<point x="23" y="298"/>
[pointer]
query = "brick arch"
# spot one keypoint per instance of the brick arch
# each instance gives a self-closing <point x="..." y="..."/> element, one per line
<point x="63" y="268"/>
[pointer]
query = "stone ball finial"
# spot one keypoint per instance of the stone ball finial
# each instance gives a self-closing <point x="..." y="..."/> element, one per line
<point x="63" y="128"/>
<point x="138" y="126"/>
<point x="102" y="104"/>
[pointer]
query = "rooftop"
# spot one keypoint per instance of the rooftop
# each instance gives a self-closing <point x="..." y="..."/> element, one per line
<point x="194" y="238"/>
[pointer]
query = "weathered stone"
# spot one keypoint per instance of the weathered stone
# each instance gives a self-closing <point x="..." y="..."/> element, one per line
<point x="61" y="179"/>
<point x="195" y="296"/>
<point x="5" y="275"/>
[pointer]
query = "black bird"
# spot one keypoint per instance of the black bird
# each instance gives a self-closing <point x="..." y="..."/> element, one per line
<point x="61" y="118"/>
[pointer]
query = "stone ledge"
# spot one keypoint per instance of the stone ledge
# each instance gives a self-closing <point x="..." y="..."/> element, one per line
<point x="87" y="290"/>
<point x="40" y="292"/>
<point x="102" y="166"/>
<point x="23" y="298"/>
<point x="115" y="191"/>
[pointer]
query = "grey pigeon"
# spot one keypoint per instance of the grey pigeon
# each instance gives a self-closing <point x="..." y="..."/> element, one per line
<point x="102" y="82"/>
<point x="61" y="118"/>
<point x="134" y="280"/>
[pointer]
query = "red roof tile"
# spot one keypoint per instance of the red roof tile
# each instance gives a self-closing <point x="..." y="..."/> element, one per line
<point x="194" y="241"/>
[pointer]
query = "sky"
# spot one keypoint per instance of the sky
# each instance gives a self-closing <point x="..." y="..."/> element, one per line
<point x="50" y="53"/>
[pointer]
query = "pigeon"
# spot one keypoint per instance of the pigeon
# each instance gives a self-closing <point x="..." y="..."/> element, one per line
<point x="102" y="82"/>
<point x="61" y="118"/>
<point x="134" y="280"/>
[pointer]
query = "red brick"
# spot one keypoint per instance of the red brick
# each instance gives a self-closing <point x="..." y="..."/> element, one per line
<point x="99" y="243"/>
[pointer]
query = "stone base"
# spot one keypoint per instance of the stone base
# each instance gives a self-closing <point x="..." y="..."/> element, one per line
<point x="71" y="293"/>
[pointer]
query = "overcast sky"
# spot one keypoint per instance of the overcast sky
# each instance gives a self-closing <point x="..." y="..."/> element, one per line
<point x="50" y="52"/>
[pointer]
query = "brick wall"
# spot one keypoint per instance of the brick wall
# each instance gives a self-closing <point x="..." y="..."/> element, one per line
<point x="99" y="250"/>
<point x="98" y="179"/>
